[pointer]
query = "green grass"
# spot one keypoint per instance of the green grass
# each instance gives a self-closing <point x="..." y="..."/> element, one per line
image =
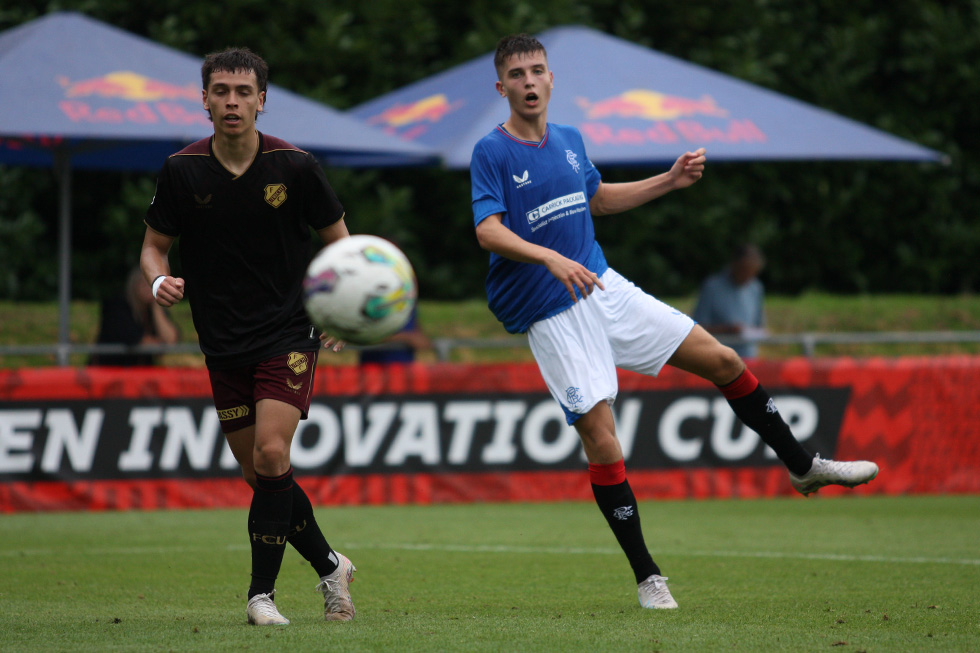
<point x="842" y="574"/>
<point x="34" y="323"/>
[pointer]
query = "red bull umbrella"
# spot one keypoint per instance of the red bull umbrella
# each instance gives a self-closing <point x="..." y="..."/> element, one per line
<point x="114" y="100"/>
<point x="634" y="106"/>
<point x="77" y="93"/>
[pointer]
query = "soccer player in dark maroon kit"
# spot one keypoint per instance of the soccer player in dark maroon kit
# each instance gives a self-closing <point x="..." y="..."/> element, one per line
<point x="242" y="204"/>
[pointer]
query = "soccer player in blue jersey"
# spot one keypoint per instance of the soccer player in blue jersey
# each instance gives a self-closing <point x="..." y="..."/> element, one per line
<point x="535" y="193"/>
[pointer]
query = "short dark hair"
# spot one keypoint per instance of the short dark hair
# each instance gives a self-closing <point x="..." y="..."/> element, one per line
<point x="515" y="44"/>
<point x="234" y="60"/>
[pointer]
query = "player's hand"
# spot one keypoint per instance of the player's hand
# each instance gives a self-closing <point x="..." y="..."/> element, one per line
<point x="170" y="292"/>
<point x="688" y="168"/>
<point x="574" y="275"/>
<point x="332" y="342"/>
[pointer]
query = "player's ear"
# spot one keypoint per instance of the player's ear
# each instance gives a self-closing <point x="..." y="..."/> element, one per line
<point x="500" y="89"/>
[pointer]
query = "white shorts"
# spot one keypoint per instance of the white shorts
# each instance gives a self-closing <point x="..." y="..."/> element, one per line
<point x="579" y="349"/>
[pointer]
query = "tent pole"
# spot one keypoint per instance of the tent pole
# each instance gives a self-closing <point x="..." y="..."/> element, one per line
<point x="62" y="167"/>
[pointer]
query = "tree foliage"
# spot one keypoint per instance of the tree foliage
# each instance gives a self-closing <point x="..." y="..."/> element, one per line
<point x="844" y="227"/>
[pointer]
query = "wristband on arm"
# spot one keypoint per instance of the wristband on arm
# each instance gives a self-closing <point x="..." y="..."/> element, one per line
<point x="157" y="283"/>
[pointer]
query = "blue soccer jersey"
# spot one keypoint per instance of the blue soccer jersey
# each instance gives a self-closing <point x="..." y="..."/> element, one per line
<point x="543" y="191"/>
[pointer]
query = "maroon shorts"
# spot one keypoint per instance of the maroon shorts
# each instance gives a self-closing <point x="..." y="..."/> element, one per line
<point x="287" y="378"/>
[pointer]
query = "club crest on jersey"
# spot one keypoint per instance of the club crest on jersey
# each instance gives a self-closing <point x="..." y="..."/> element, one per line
<point x="521" y="181"/>
<point x="275" y="195"/>
<point x="574" y="396"/>
<point x="572" y="159"/>
<point x="297" y="362"/>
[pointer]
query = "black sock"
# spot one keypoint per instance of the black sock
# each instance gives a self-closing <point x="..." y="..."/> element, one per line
<point x="753" y="405"/>
<point x="268" y="525"/>
<point x="306" y="537"/>
<point x="618" y="505"/>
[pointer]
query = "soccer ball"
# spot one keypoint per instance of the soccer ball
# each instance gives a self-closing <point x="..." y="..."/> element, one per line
<point x="360" y="289"/>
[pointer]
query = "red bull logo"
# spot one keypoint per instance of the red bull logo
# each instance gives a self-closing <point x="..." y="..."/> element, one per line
<point x="127" y="97"/>
<point x="127" y="85"/>
<point x="408" y="120"/>
<point x="650" y="105"/>
<point x="668" y="119"/>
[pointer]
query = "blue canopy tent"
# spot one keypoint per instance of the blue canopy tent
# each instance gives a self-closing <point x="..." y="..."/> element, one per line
<point x="77" y="93"/>
<point x="634" y="106"/>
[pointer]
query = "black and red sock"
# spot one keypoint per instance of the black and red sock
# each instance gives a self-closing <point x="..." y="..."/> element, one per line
<point x="268" y="526"/>
<point x="753" y="405"/>
<point x="618" y="505"/>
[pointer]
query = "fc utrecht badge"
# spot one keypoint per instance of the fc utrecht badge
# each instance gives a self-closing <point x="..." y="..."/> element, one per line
<point x="275" y="195"/>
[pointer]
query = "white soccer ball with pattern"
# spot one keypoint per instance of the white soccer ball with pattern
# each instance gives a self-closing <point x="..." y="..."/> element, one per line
<point x="360" y="289"/>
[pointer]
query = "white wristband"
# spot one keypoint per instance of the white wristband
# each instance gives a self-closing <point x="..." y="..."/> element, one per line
<point x="157" y="283"/>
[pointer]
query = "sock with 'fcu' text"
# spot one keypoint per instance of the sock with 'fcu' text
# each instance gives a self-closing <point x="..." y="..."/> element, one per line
<point x="306" y="537"/>
<point x="618" y="505"/>
<point x="268" y="526"/>
<point x="753" y="405"/>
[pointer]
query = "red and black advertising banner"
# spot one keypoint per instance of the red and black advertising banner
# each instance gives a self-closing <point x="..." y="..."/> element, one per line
<point x="109" y="439"/>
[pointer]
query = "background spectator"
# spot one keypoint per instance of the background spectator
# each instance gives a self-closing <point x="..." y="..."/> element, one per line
<point x="133" y="318"/>
<point x="731" y="300"/>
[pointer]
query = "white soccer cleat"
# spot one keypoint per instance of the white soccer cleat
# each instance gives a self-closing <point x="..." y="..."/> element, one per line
<point x="833" y="472"/>
<point x="262" y="611"/>
<point x="337" y="603"/>
<point x="653" y="593"/>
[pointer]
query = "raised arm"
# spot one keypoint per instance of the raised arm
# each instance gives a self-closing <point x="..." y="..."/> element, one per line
<point x="616" y="198"/>
<point x="493" y="236"/>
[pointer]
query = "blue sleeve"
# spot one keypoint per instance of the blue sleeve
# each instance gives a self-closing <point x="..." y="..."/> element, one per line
<point x="592" y="179"/>
<point x="592" y="176"/>
<point x="488" y="196"/>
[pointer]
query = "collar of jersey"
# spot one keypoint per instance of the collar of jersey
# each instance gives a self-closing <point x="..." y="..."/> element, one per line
<point x="258" y="151"/>
<point x="537" y="144"/>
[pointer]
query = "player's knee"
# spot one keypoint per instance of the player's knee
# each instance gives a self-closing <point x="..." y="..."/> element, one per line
<point x="600" y="445"/>
<point x="728" y="365"/>
<point x="270" y="455"/>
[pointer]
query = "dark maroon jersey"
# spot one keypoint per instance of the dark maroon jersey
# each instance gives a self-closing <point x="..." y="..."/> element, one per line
<point x="244" y="246"/>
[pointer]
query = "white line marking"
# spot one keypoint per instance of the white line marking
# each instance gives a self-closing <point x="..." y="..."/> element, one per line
<point x="511" y="549"/>
<point x="502" y="548"/>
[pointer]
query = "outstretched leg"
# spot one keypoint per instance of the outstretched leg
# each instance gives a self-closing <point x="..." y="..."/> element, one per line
<point x="702" y="354"/>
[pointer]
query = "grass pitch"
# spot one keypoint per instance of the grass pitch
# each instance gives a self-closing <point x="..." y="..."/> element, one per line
<point x="841" y="574"/>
